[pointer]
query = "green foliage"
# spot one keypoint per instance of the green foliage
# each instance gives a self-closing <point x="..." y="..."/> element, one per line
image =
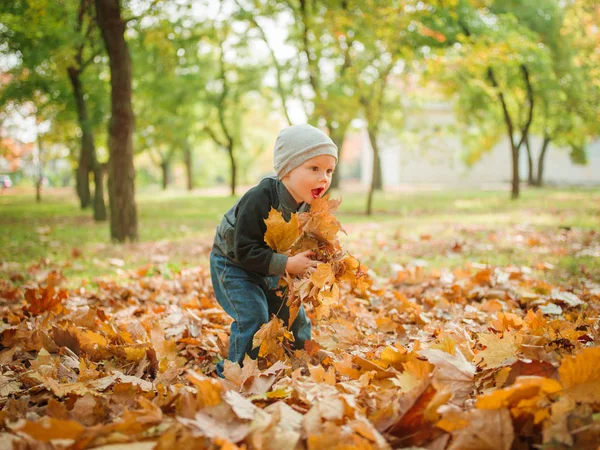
<point x="42" y="39"/>
<point x="504" y="36"/>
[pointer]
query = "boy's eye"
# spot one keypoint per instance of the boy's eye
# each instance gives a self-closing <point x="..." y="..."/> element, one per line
<point x="314" y="168"/>
<point x="329" y="171"/>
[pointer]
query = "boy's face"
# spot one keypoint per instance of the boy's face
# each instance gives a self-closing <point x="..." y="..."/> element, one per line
<point x="311" y="179"/>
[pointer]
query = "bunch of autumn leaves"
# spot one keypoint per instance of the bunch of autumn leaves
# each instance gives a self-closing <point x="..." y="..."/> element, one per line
<point x="316" y="230"/>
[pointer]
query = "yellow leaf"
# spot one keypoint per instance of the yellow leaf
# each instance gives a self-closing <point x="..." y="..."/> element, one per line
<point x="498" y="351"/>
<point x="322" y="276"/>
<point x="134" y="353"/>
<point x="281" y="235"/>
<point x="395" y="357"/>
<point x="441" y="397"/>
<point x="580" y="375"/>
<point x="524" y="394"/>
<point x="209" y="390"/>
<point x="330" y="296"/>
<point x="452" y="420"/>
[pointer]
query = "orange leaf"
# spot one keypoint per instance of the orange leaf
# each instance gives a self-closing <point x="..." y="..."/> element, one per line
<point x="48" y="429"/>
<point x="580" y="375"/>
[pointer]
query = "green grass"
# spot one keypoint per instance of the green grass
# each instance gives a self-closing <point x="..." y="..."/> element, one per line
<point x="176" y="230"/>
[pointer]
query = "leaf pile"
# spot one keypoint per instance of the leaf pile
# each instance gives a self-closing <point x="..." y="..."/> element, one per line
<point x="479" y="357"/>
<point x="316" y="230"/>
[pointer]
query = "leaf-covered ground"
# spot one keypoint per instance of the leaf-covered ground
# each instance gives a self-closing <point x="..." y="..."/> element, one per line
<point x="469" y="357"/>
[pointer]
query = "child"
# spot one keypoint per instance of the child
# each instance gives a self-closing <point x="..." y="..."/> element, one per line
<point x="244" y="270"/>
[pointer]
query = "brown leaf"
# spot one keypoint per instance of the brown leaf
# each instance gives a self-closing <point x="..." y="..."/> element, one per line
<point x="487" y="430"/>
<point x="270" y="338"/>
<point x="278" y="430"/>
<point x="205" y="425"/>
<point x="452" y="371"/>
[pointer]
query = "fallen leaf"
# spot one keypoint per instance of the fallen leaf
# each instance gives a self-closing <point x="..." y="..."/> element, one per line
<point x="487" y="430"/>
<point x="580" y="375"/>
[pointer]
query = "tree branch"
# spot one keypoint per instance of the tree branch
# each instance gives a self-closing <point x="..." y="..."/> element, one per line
<point x="141" y="16"/>
<point x="222" y="98"/>
<point x="507" y="118"/>
<point x="525" y="129"/>
<point x="278" y="69"/>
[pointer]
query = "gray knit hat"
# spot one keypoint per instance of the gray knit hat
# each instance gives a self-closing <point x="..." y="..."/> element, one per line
<point x="299" y="143"/>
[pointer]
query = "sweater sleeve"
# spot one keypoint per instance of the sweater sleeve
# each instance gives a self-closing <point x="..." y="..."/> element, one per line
<point x="250" y="250"/>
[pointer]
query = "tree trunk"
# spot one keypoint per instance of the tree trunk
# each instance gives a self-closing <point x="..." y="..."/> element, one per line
<point x="83" y="181"/>
<point x="530" y="179"/>
<point x="510" y="133"/>
<point x="99" y="205"/>
<point x="540" y="174"/>
<point x="233" y="169"/>
<point x="87" y="155"/>
<point x="376" y="168"/>
<point x="164" y="166"/>
<point x="40" y="174"/>
<point x="377" y="176"/>
<point x="516" y="179"/>
<point x="337" y="136"/>
<point x="121" y="172"/>
<point x="187" y="156"/>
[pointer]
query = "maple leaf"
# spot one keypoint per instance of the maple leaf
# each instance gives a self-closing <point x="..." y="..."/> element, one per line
<point x="452" y="371"/>
<point x="322" y="276"/>
<point x="394" y="356"/>
<point x="507" y="321"/>
<point x="46" y="298"/>
<point x="281" y="235"/>
<point x="499" y="351"/>
<point x="271" y="338"/>
<point x="249" y="379"/>
<point x="580" y="375"/>
<point x="320" y="221"/>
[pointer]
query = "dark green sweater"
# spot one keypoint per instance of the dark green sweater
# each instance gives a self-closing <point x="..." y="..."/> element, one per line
<point x="240" y="236"/>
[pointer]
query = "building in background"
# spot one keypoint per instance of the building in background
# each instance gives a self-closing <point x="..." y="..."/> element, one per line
<point x="418" y="156"/>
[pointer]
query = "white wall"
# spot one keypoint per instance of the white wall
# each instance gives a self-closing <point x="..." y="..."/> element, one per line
<point x="404" y="162"/>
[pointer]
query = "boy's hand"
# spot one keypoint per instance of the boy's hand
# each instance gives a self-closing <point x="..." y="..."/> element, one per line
<point x="301" y="263"/>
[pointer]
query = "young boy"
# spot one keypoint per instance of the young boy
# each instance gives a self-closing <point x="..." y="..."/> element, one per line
<point x="244" y="270"/>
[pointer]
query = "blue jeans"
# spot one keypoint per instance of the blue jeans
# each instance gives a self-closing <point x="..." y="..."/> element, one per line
<point x="251" y="299"/>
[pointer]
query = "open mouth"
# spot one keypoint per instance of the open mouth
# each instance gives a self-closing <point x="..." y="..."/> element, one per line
<point x="317" y="192"/>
